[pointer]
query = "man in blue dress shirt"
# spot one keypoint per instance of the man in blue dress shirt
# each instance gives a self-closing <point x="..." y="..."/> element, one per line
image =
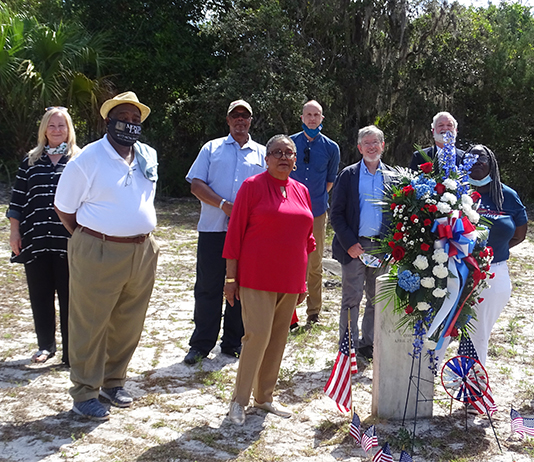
<point x="216" y="175"/>
<point x="316" y="168"/>
<point x="358" y="221"/>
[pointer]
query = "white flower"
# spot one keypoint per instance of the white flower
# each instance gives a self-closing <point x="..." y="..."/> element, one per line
<point x="450" y="198"/>
<point x="450" y="184"/>
<point x="472" y="215"/>
<point x="421" y="262"/>
<point x="403" y="228"/>
<point x="439" y="293"/>
<point x="405" y="218"/>
<point x="440" y="256"/>
<point x="411" y="243"/>
<point x="422" y="230"/>
<point x="428" y="283"/>
<point x="466" y="200"/>
<point x="443" y="207"/>
<point x="422" y="306"/>
<point x="440" y="271"/>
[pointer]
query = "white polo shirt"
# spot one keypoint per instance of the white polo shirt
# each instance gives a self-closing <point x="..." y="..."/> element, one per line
<point x="107" y="194"/>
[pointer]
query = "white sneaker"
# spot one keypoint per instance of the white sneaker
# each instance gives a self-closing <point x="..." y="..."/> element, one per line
<point x="270" y="408"/>
<point x="237" y="413"/>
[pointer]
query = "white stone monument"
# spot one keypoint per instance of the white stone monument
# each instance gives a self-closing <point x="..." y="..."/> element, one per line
<point x="392" y="365"/>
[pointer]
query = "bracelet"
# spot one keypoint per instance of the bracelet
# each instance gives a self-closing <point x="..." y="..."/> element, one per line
<point x="222" y="203"/>
<point x="230" y="280"/>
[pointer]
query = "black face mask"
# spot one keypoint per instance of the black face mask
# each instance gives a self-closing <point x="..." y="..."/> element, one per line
<point x="124" y="133"/>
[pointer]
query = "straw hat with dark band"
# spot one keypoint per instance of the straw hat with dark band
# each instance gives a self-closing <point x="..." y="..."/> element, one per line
<point x="128" y="97"/>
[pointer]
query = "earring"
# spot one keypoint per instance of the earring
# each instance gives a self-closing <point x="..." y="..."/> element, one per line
<point x="295" y="167"/>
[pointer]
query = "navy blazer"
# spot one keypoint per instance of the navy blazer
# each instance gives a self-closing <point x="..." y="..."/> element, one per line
<point x="417" y="158"/>
<point x="345" y="210"/>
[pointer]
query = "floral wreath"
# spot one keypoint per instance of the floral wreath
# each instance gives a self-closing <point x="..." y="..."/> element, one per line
<point x="436" y="249"/>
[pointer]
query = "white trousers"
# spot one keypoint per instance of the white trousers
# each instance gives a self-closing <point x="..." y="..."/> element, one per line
<point x="495" y="299"/>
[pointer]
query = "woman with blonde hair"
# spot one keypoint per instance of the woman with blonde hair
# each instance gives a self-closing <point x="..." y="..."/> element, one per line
<point x="37" y="238"/>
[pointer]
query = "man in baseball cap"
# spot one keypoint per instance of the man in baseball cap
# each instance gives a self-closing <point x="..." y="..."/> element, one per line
<point x="216" y="175"/>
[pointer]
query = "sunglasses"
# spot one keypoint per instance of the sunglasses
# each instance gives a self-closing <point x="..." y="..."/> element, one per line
<point x="307" y="155"/>
<point x="61" y="108"/>
<point x="242" y="115"/>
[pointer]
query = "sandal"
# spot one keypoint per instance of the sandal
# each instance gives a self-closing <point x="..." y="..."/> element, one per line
<point x="47" y="355"/>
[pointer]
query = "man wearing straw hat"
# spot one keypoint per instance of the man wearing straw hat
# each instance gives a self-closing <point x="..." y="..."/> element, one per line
<point x="358" y="221"/>
<point x="106" y="201"/>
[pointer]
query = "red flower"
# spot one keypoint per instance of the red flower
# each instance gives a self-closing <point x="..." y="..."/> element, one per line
<point x="393" y="206"/>
<point x="424" y="247"/>
<point x="440" y="188"/>
<point x="413" y="218"/>
<point x="486" y="268"/>
<point x="398" y="236"/>
<point x="391" y="244"/>
<point x="480" y="300"/>
<point x="408" y="309"/>
<point x="398" y="253"/>
<point x="492" y="275"/>
<point x="483" y="253"/>
<point x="427" y="222"/>
<point x="475" y="195"/>
<point x="408" y="190"/>
<point x="432" y="208"/>
<point x="394" y="195"/>
<point x="426" y="167"/>
<point x="482" y="275"/>
<point x="490" y="250"/>
<point x="399" y="226"/>
<point x="454" y="332"/>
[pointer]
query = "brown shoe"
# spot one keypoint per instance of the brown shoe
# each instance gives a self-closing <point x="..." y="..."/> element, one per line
<point x="312" y="319"/>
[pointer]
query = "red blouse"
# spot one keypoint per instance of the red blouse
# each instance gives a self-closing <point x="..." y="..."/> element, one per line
<point x="271" y="235"/>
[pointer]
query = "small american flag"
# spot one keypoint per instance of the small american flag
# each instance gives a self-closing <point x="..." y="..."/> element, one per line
<point x="369" y="439"/>
<point x="405" y="457"/>
<point x="383" y="454"/>
<point x="338" y="386"/>
<point x="521" y="425"/>
<point x="354" y="428"/>
<point x="482" y="401"/>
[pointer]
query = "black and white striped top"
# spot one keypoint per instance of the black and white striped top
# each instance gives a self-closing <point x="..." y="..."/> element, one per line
<point x="32" y="203"/>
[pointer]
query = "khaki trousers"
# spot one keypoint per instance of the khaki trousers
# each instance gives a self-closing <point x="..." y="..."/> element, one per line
<point x="110" y="288"/>
<point x="315" y="267"/>
<point x="266" y="317"/>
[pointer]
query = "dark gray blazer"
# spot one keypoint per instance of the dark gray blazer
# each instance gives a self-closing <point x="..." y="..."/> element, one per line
<point x="345" y="210"/>
<point x="417" y="158"/>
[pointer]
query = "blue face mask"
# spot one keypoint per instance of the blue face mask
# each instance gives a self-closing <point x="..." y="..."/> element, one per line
<point x="312" y="133"/>
<point x="478" y="183"/>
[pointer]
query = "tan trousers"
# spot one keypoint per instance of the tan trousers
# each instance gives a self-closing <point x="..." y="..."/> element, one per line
<point x="110" y="288"/>
<point x="266" y="318"/>
<point x="315" y="267"/>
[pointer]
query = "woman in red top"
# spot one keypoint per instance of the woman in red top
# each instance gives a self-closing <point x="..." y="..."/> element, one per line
<point x="266" y="249"/>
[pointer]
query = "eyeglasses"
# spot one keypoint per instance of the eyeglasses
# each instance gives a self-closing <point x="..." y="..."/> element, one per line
<point x="368" y="144"/>
<point x="279" y="153"/>
<point x="307" y="155"/>
<point x="61" y="108"/>
<point x="240" y="115"/>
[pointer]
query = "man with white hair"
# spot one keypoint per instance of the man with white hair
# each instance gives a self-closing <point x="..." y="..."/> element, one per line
<point x="443" y="122"/>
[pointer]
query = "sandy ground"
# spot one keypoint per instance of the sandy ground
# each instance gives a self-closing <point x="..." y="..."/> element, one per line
<point x="179" y="413"/>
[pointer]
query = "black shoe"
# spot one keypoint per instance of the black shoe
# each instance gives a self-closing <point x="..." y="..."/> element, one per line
<point x="312" y="319"/>
<point x="233" y="352"/>
<point x="294" y="326"/>
<point x="366" y="352"/>
<point x="194" y="356"/>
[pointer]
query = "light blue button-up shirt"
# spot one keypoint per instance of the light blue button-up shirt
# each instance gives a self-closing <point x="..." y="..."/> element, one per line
<point x="223" y="165"/>
<point x="371" y="190"/>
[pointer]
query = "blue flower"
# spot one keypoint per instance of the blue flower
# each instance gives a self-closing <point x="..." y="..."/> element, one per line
<point x="409" y="281"/>
<point x="448" y="159"/>
<point x="468" y="161"/>
<point x="423" y="186"/>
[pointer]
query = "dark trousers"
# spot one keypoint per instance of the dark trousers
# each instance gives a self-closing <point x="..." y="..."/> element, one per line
<point x="211" y="271"/>
<point x="46" y="275"/>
